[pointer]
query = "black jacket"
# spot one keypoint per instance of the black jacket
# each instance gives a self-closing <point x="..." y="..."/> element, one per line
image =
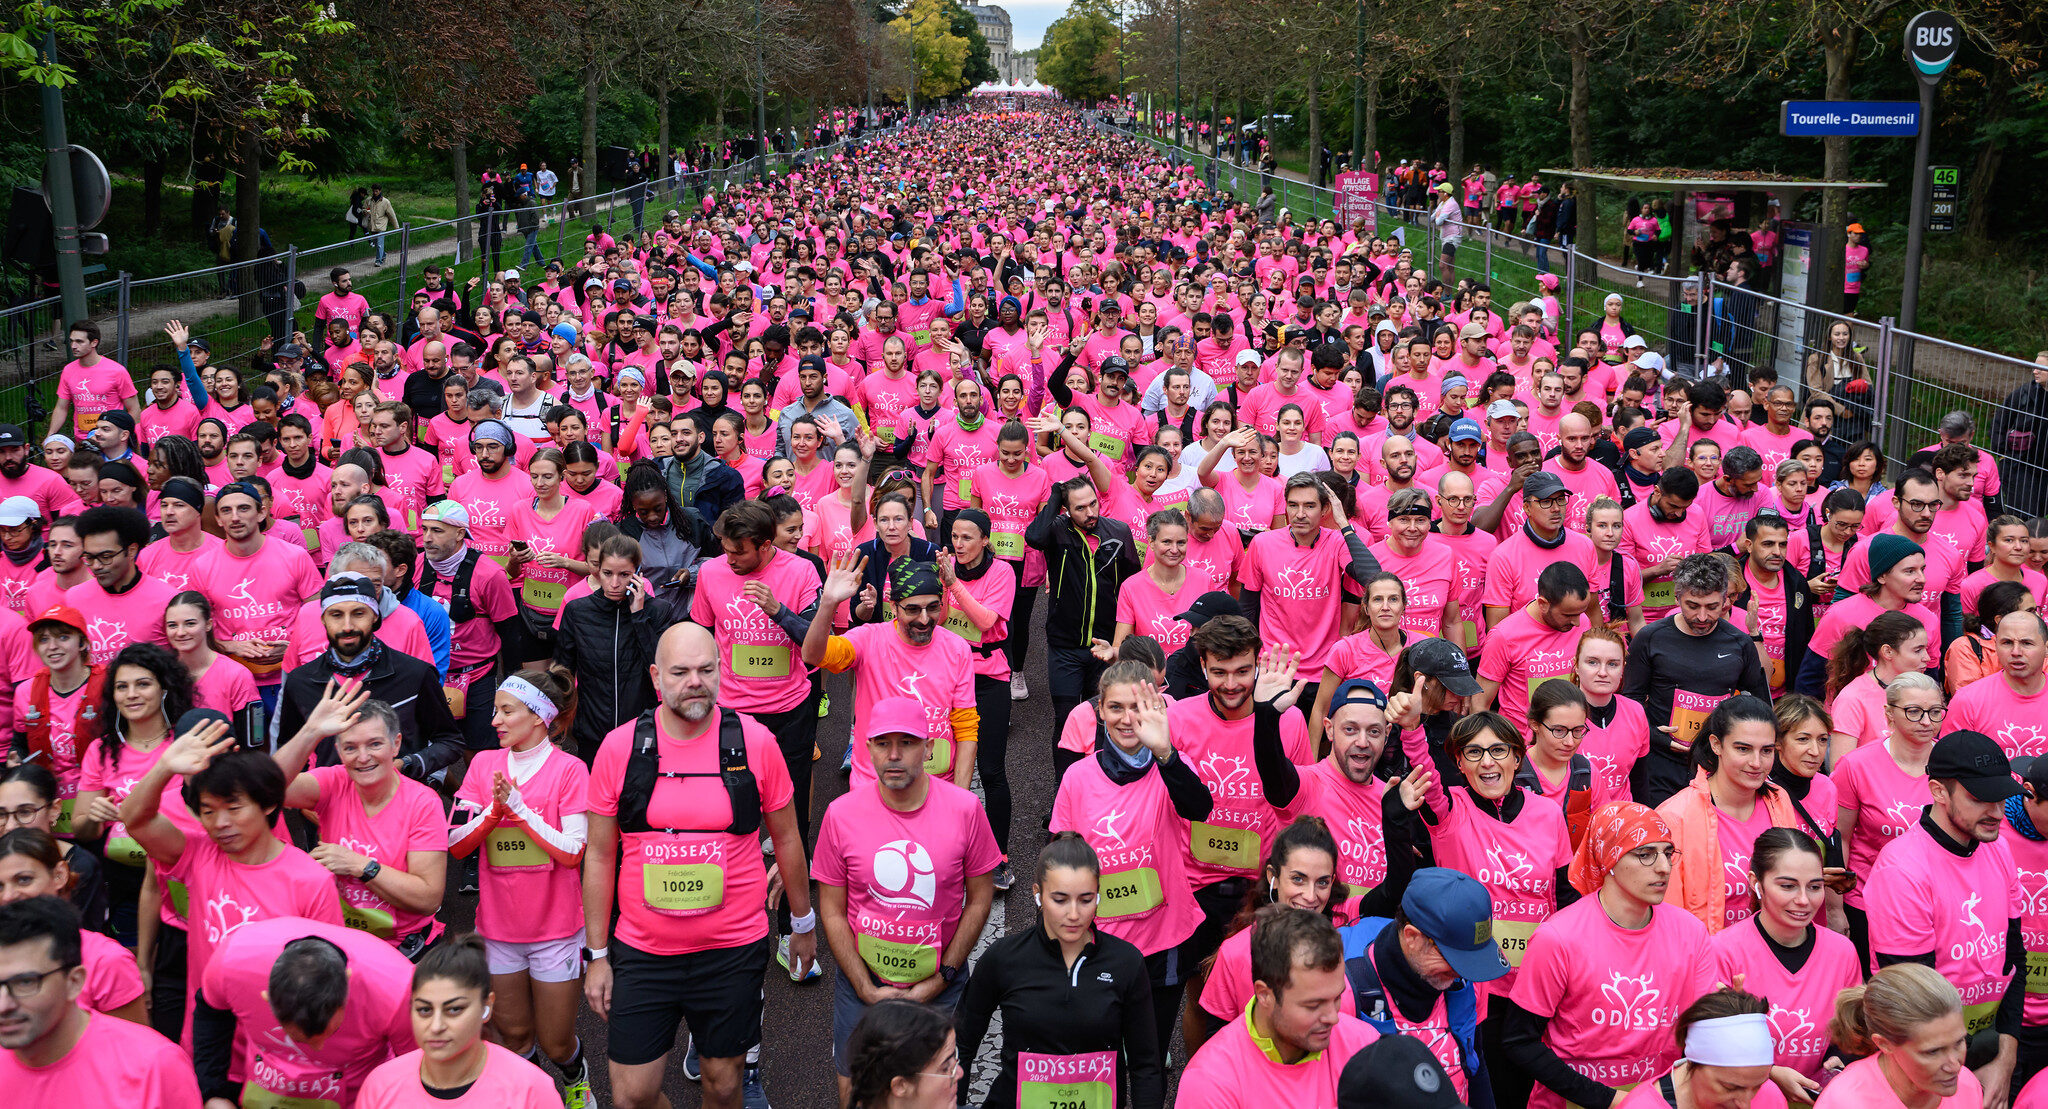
<point x="1102" y="1003"/>
<point x="1081" y="584"/>
<point x="431" y="740"/>
<point x="1798" y="617"/>
<point x="609" y="648"/>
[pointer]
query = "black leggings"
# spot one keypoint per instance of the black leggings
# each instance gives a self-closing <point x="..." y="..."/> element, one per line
<point x="1169" y="986"/>
<point x="991" y="757"/>
<point x="1018" y="645"/>
<point x="167" y="982"/>
<point x="1511" y="1086"/>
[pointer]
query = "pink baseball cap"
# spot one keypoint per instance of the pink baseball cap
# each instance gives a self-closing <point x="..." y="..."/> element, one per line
<point x="891" y="715"/>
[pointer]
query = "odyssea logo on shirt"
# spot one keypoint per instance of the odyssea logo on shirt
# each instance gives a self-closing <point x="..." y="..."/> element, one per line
<point x="223" y="915"/>
<point x="743" y="615"/>
<point x="901" y="875"/>
<point x="108" y="638"/>
<point x="1977" y="941"/>
<point x="1900" y="818"/>
<point x="1505" y="868"/>
<point x="2021" y="740"/>
<point x="1106" y="827"/>
<point x="1228" y="777"/>
<point x="1298" y="583"/>
<point x="1364" y="850"/>
<point x="2033" y="892"/>
<point x="1794" y="1032"/>
<point x="1634" y="1002"/>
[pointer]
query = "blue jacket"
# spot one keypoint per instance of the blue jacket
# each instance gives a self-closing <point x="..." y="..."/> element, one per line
<point x="1461" y="1005"/>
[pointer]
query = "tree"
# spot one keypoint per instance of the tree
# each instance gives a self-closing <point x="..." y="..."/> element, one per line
<point x="979" y="68"/>
<point x="938" y="56"/>
<point x="1078" y="56"/>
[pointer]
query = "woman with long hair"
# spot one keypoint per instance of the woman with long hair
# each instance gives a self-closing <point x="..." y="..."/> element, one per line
<point x="1730" y="801"/>
<point x="227" y="688"/>
<point x="1865" y="662"/>
<point x="456" y="1066"/>
<point x="29" y="800"/>
<point x="522" y="806"/>
<point x="1816" y="551"/>
<point x="550" y="541"/>
<point x="1906" y="1026"/>
<point x="146" y="691"/>
<point x="1863" y="470"/>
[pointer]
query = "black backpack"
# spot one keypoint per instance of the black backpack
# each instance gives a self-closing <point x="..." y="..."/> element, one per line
<point x="643" y="770"/>
<point x="461" y="607"/>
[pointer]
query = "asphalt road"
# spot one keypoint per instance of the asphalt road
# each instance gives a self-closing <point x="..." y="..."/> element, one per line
<point x="797" y="1022"/>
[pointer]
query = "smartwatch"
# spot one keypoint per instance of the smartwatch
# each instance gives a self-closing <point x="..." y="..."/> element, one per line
<point x="371" y="870"/>
<point x="950" y="973"/>
<point x="593" y="954"/>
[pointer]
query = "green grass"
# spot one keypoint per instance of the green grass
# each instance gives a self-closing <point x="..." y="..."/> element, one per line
<point x="297" y="211"/>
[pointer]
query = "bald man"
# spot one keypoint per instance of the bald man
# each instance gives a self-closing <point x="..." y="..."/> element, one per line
<point x="1586" y="479"/>
<point x="692" y="942"/>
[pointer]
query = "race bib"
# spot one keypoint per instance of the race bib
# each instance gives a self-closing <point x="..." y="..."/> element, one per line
<point x="180" y="896"/>
<point x="377" y="922"/>
<point x="513" y="849"/>
<point x="1979" y="1017"/>
<point x="1536" y="683"/>
<point x="966" y="488"/>
<point x="124" y="850"/>
<point x="685" y="889"/>
<point x="901" y="963"/>
<point x="1108" y="446"/>
<point x="543" y="594"/>
<point x="1660" y="594"/>
<point x="1689" y="712"/>
<point x="958" y="623"/>
<point x="941" y="761"/>
<point x="1236" y="848"/>
<point x="2037" y="972"/>
<point x="1130" y="893"/>
<point x="62" y="830"/>
<point x="256" y="1097"/>
<point x="312" y="536"/>
<point x="1774" y="664"/>
<point x="886" y="436"/>
<point x="1513" y="937"/>
<point x="759" y="660"/>
<point x="1007" y="544"/>
<point x="1468" y="634"/>
<point x="1066" y="1081"/>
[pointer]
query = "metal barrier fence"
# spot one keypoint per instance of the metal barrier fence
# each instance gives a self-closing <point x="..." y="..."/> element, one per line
<point x="235" y="307"/>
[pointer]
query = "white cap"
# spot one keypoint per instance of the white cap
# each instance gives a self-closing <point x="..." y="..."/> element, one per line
<point x="509" y="275"/>
<point x="1248" y="356"/>
<point x="15" y="511"/>
<point x="1650" y="360"/>
<point x="1635" y="341"/>
<point x="1503" y="410"/>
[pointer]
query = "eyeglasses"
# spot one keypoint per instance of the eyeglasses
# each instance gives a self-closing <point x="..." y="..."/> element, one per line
<point x="931" y="608"/>
<point x="103" y="558"/>
<point x="952" y="1072"/>
<point x="1457" y="500"/>
<point x="1576" y="733"/>
<point x="23" y="987"/>
<point x="1479" y="755"/>
<point x="1923" y="506"/>
<point x="1649" y="856"/>
<point x="1920" y="715"/>
<point x="22" y="815"/>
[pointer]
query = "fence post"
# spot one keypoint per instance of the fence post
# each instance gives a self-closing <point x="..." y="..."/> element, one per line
<point x="561" y="227"/>
<point x="1881" y="404"/>
<point x="405" y="260"/>
<point x="1489" y="254"/>
<point x="121" y="340"/>
<point x="291" y="282"/>
<point x="1571" y="288"/>
<point x="1703" y="322"/>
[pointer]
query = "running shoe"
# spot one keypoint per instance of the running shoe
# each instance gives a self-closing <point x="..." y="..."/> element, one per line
<point x="576" y="1093"/>
<point x="1019" y="690"/>
<point x="1005" y="877"/>
<point x="782" y="956"/>
<point x="846" y="763"/>
<point x="693" y="1067"/>
<point x="751" y="1093"/>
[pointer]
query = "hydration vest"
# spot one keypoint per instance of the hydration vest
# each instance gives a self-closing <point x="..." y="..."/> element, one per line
<point x="643" y="770"/>
<point x="461" y="608"/>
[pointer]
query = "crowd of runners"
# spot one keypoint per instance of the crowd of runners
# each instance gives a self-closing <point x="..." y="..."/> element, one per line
<point x="1450" y="705"/>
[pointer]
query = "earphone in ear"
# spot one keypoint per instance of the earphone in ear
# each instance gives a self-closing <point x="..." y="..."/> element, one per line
<point x="1036" y="900"/>
<point x="487" y="1012"/>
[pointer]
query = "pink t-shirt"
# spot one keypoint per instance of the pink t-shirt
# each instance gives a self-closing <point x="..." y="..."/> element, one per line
<point x="410" y="821"/>
<point x="1149" y="610"/>
<point x="1802" y="1002"/>
<point x="883" y="399"/>
<point x="225" y="895"/>
<point x="1857" y="611"/>
<point x="375" y="1024"/>
<point x="1522" y="653"/>
<point x="939" y="675"/>
<point x="1592" y="480"/>
<point x="507" y="1082"/>
<point x="116" y="1062"/>
<point x="1946" y="570"/>
<point x="112" y="979"/>
<point x="1512" y="570"/>
<point x="1301" y="590"/>
<point x="526" y="896"/>
<point x="1358" y="656"/>
<point x="114" y="621"/>
<point x="686" y="891"/>
<point x="759" y="669"/>
<point x="1611" y="993"/>
<point x="1232" y="843"/>
<point x="1353" y="813"/>
<point x="1991" y="705"/>
<point x="1251" y="510"/>
<point x="544" y="586"/>
<point x="1471" y="552"/>
<point x="491" y="503"/>
<point x="1614" y="749"/>
<point x="157" y="421"/>
<point x="52" y="494"/>
<point x="1219" y="557"/>
<point x="303" y="499"/>
<point x="959" y="454"/>
<point x="178" y="569"/>
<point x="1230" y="986"/>
<point x="1147" y="897"/>
<point x="474" y="642"/>
<point x="256" y="597"/>
<point x="1431" y="575"/>
<point x="1011" y="503"/>
<point x="1737" y="840"/>
<point x="92" y="390"/>
<point x="226" y="686"/>
<point x="1649" y="541"/>
<point x="1863" y="1085"/>
<point x="412" y="480"/>
<point x="1230" y="1071"/>
<point x="1887" y="802"/>
<point x="905" y="873"/>
<point x="1921" y="897"/>
<point x="2031" y="858"/>
<point x="1975" y="585"/>
<point x="1650" y="1095"/>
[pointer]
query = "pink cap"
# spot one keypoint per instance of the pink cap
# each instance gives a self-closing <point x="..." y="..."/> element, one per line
<point x="897" y="714"/>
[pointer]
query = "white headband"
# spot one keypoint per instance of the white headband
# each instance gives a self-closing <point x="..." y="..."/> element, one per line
<point x="528" y="694"/>
<point x="1738" y="1041"/>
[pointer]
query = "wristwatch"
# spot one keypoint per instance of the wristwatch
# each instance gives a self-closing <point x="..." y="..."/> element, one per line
<point x="371" y="870"/>
<point x="950" y="973"/>
<point x="593" y="954"/>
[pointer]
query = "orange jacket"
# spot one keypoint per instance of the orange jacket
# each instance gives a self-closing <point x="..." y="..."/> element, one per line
<point x="1698" y="885"/>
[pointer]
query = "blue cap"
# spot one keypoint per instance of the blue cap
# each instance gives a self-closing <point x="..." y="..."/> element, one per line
<point x="1468" y="430"/>
<point x="1357" y="691"/>
<point x="1454" y="910"/>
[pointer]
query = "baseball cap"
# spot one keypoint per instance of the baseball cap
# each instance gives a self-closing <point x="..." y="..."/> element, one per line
<point x="60" y="614"/>
<point x="1455" y="911"/>
<point x="1467" y="430"/>
<point x="2033" y="770"/>
<point x="1445" y="661"/>
<point x="15" y="511"/>
<point x="891" y="715"/>
<point x="1210" y="605"/>
<point x="1115" y="364"/>
<point x="290" y="352"/>
<point x="1977" y="761"/>
<point x="1638" y="438"/>
<point x="1543" y="485"/>
<point x="11" y="435"/>
<point x="1503" y="410"/>
<point x="201" y="344"/>
<point x="1357" y="691"/>
<point x="119" y="418"/>
<point x="1395" y="1071"/>
<point x="1635" y="341"/>
<point x="446" y="512"/>
<point x="1472" y="331"/>
<point x="1650" y="360"/>
<point x="1247" y="356"/>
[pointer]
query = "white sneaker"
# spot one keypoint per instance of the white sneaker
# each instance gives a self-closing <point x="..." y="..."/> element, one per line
<point x="1019" y="691"/>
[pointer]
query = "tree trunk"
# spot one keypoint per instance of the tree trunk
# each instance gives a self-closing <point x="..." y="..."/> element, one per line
<point x="1315" y="125"/>
<point x="249" y="213"/>
<point x="1977" y="200"/>
<point x="590" y="90"/>
<point x="661" y="93"/>
<point x="1581" y="110"/>
<point x="1369" y="155"/>
<point x="1454" y="117"/>
<point x="153" y="195"/>
<point x="1839" y="45"/>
